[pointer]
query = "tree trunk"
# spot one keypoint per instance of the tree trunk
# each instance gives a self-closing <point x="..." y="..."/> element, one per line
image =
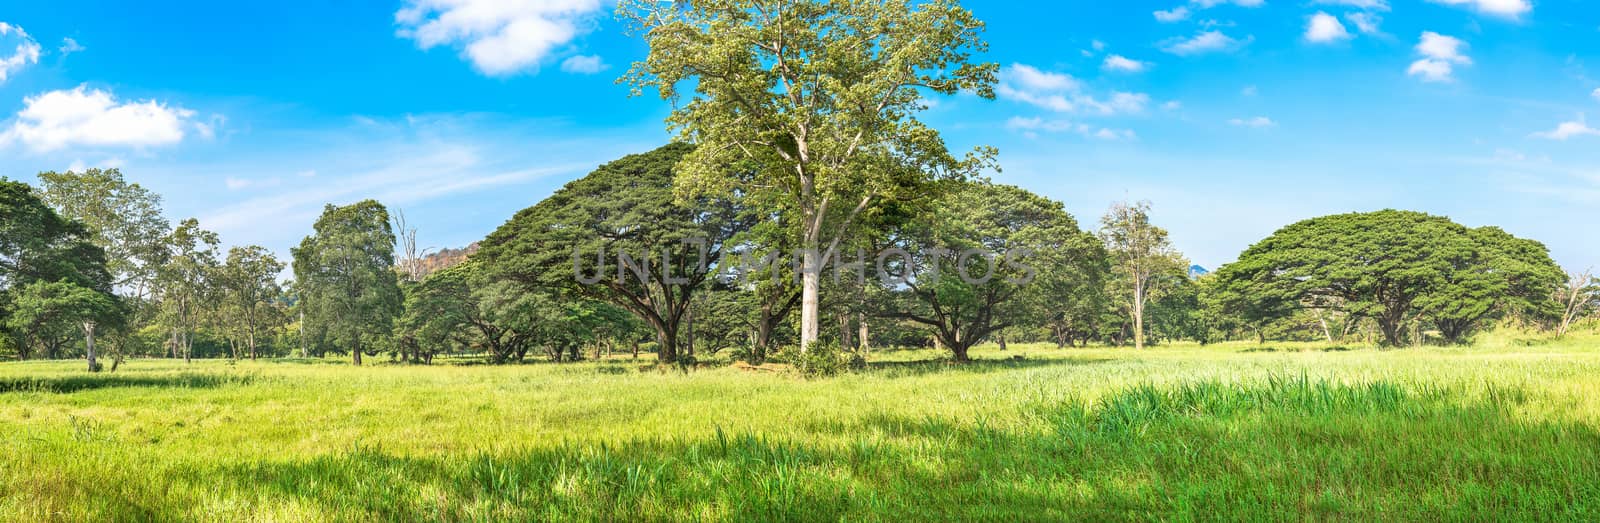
<point x="959" y="352"/>
<point x="810" y="293"/>
<point x="863" y="337"/>
<point x="1138" y="314"/>
<point x="88" y="342"/>
<point x="1002" y="339"/>
<point x="845" y="342"/>
<point x="355" y="355"/>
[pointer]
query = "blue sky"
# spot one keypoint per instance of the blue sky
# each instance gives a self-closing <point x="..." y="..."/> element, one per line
<point x="1234" y="117"/>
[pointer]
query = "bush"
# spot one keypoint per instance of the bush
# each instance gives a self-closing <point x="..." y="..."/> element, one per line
<point x="822" y="360"/>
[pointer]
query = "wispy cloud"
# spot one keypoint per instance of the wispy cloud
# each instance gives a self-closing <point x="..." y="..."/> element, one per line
<point x="1204" y="42"/>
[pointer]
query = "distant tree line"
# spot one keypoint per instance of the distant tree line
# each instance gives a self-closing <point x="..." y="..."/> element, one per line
<point x="797" y="132"/>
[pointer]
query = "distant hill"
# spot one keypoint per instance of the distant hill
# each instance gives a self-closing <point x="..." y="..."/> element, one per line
<point x="1196" y="271"/>
<point x="446" y="258"/>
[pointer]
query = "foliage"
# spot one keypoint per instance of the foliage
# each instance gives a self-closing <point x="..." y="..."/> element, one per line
<point x="1397" y="268"/>
<point x="49" y="315"/>
<point x="346" y="278"/>
<point x="48" y="269"/>
<point x="624" y="208"/>
<point x="988" y="257"/>
<point x="825" y="359"/>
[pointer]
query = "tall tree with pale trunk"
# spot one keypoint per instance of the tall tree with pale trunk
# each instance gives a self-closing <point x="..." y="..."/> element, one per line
<point x="1140" y="254"/>
<point x="818" y="97"/>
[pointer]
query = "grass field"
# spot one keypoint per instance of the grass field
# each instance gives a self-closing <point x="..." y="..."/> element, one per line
<point x="1501" y="431"/>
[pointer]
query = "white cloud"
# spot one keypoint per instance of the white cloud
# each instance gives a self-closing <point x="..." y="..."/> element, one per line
<point x="26" y="52"/>
<point x="1365" y="22"/>
<point x="1098" y="45"/>
<point x="1207" y="4"/>
<point x="1570" y="130"/>
<point x="1176" y="14"/>
<point x="1509" y="9"/>
<point x="1031" y="127"/>
<point x="1596" y="94"/>
<point x="1249" y="90"/>
<point x="1374" y="5"/>
<point x="1440" y="56"/>
<point x="92" y="117"/>
<point x="69" y="46"/>
<point x="1203" y="42"/>
<point x="499" y="37"/>
<point x="1172" y="105"/>
<point x="1257" y="122"/>
<point x="1120" y="63"/>
<point x="1031" y="78"/>
<point x="1062" y="93"/>
<point x="1325" y="28"/>
<point x="581" y="64"/>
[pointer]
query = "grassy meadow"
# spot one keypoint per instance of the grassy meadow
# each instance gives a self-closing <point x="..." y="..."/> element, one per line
<point x="1506" y="430"/>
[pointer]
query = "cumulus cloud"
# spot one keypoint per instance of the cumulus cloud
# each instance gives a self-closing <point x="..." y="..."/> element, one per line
<point x="499" y="37"/>
<point x="92" y="117"/>
<point x="1176" y="14"/>
<point x="1325" y="28"/>
<point x="26" y="51"/>
<point x="1257" y="122"/>
<point x="1123" y="64"/>
<point x="590" y="64"/>
<point x="1440" y="55"/>
<point x="1509" y="9"/>
<point x="1203" y="42"/>
<point x="1569" y="130"/>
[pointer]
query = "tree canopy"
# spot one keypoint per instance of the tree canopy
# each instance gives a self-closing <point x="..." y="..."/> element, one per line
<point x="1397" y="268"/>
<point x="347" y="282"/>
<point x="620" y="236"/>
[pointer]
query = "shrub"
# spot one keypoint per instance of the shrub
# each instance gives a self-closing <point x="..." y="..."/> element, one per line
<point x="823" y="359"/>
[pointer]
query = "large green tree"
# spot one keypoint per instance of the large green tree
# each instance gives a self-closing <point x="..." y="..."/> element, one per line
<point x="988" y="257"/>
<point x="618" y="235"/>
<point x="44" y="257"/>
<point x="346" y="278"/>
<point x="125" y="220"/>
<point x="1400" y="269"/>
<point x="818" y="97"/>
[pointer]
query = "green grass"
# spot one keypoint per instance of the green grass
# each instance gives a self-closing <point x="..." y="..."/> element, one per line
<point x="1507" y="430"/>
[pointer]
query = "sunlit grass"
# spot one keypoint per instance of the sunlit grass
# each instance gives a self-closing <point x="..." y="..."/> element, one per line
<point x="1507" y="430"/>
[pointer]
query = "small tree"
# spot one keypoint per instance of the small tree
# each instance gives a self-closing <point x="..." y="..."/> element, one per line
<point x="248" y="281"/>
<point x="1579" y="298"/>
<point x="1140" y="255"/>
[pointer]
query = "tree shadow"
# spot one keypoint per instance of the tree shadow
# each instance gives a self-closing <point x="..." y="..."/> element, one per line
<point x="913" y="368"/>
<point x="77" y="383"/>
